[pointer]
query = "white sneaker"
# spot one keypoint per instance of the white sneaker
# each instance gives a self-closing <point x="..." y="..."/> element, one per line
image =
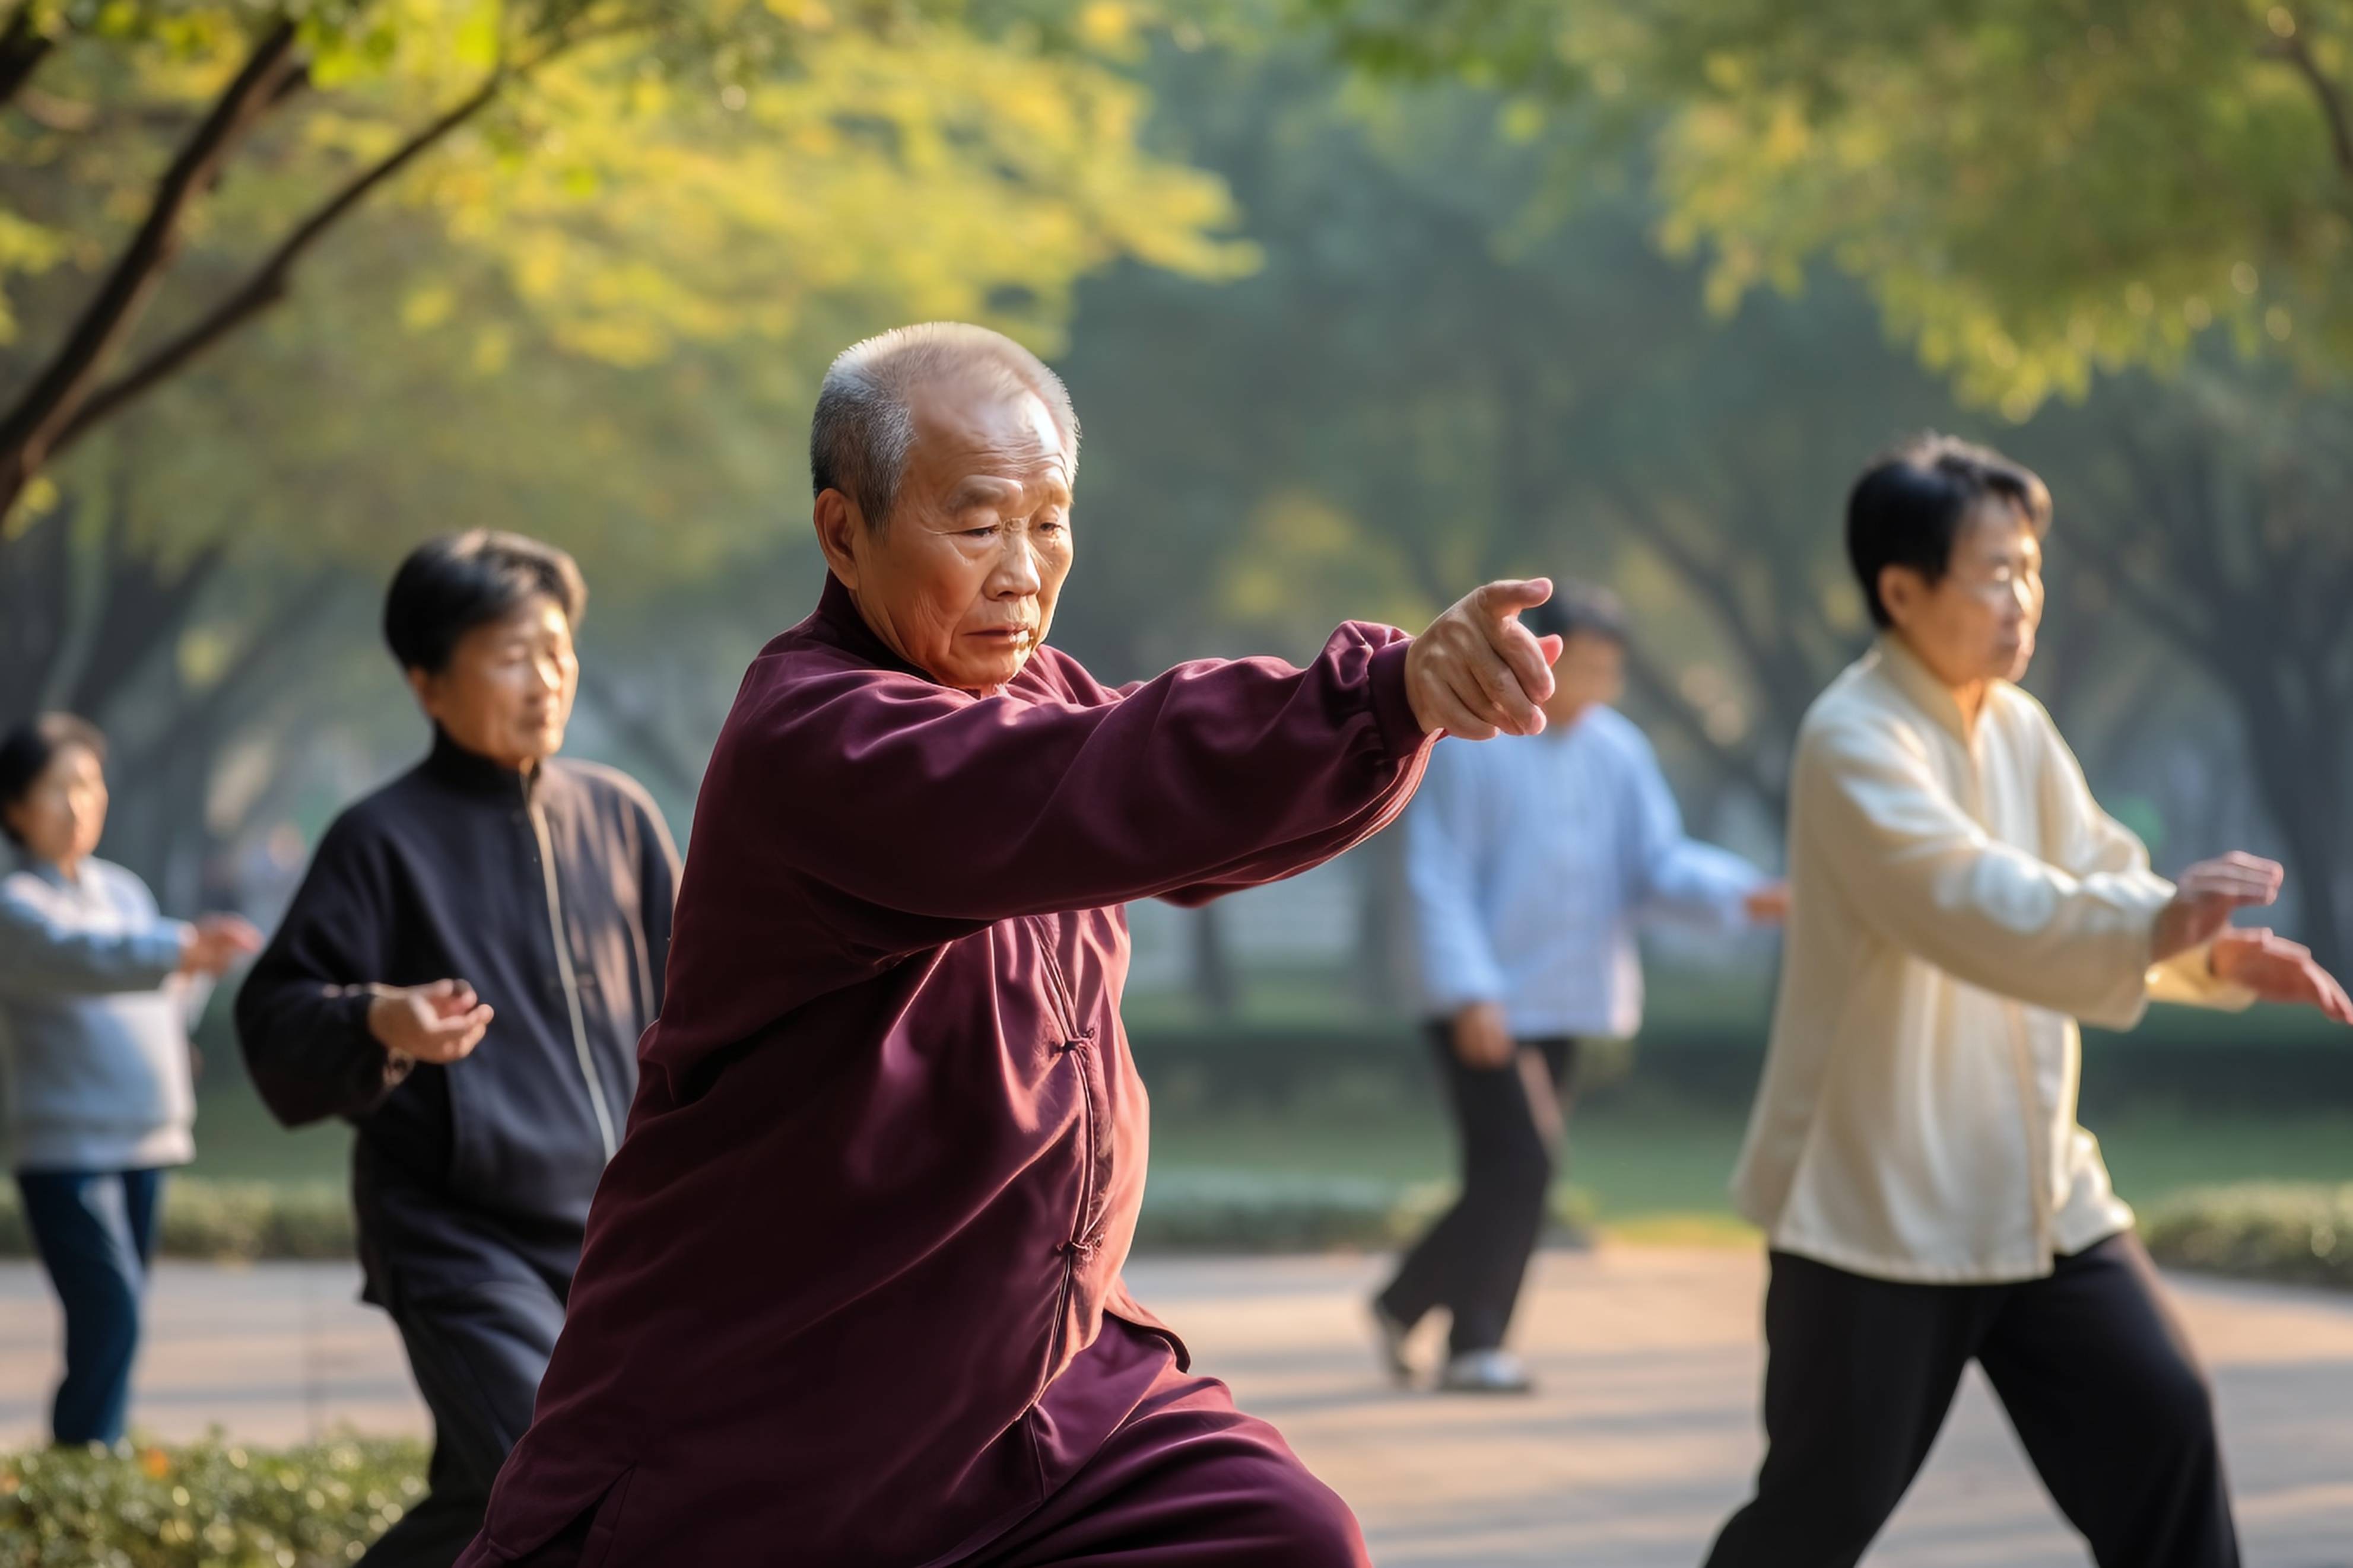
<point x="1389" y="1335"/>
<point x="1485" y="1372"/>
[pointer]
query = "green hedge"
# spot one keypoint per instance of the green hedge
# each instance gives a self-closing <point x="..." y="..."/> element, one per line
<point x="2298" y="1233"/>
<point x="207" y="1505"/>
<point x="239" y="1222"/>
<point x="1211" y="1211"/>
<point x="229" y="1222"/>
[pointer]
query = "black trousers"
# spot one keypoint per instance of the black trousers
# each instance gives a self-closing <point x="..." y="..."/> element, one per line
<point x="1472" y="1261"/>
<point x="477" y="1354"/>
<point x="2094" y="1371"/>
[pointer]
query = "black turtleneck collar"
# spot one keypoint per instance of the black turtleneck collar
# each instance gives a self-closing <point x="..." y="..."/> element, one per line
<point x="475" y="773"/>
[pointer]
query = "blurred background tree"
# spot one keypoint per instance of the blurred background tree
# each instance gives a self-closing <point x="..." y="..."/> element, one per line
<point x="2034" y="194"/>
<point x="1360" y="303"/>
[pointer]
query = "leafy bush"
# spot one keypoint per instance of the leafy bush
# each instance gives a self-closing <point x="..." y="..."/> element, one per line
<point x="206" y="1505"/>
<point x="226" y="1222"/>
<point x="1216" y="1211"/>
<point x="2300" y="1233"/>
<point x="1196" y="1211"/>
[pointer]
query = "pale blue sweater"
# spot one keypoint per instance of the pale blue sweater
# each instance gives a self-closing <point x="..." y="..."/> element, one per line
<point x="94" y="1065"/>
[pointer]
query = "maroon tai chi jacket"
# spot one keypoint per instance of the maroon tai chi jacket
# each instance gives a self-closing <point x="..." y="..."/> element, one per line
<point x="888" y="1144"/>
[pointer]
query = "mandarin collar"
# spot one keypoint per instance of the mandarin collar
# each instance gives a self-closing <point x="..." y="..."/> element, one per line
<point x="475" y="773"/>
<point x="1919" y="683"/>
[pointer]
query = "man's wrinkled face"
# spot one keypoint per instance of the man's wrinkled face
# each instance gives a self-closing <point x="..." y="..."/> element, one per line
<point x="1977" y="622"/>
<point x="506" y="693"/>
<point x="961" y="580"/>
<point x="1590" y="672"/>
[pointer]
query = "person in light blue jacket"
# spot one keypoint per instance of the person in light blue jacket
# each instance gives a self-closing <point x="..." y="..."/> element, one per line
<point x="1531" y="860"/>
<point x="96" y="989"/>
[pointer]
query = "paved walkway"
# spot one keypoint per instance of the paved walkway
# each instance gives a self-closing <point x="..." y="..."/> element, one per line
<point x="1643" y="1436"/>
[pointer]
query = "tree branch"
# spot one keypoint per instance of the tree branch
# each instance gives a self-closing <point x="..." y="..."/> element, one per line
<point x="32" y="426"/>
<point x="2298" y="54"/>
<point x="270" y="281"/>
<point x="23" y="47"/>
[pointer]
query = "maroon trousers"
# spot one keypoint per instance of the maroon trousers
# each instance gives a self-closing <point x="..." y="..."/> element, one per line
<point x="1186" y="1481"/>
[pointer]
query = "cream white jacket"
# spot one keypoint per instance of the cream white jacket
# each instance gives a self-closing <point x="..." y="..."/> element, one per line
<point x="1958" y="901"/>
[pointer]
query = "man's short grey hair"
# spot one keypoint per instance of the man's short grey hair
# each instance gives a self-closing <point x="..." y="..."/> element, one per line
<point x="864" y="425"/>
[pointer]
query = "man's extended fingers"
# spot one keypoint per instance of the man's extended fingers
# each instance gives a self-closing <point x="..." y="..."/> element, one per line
<point x="1525" y="657"/>
<point x="1458" y="719"/>
<point x="1510" y="596"/>
<point x="1505" y="700"/>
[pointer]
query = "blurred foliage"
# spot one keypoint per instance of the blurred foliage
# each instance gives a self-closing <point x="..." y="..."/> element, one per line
<point x="229" y="1222"/>
<point x="2295" y="1233"/>
<point x="209" y="1504"/>
<point x="2033" y="191"/>
<point x="717" y="218"/>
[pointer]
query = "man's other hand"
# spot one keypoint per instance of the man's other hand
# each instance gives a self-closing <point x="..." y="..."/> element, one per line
<point x="1767" y="905"/>
<point x="2205" y="896"/>
<point x="439" y="1023"/>
<point x="1477" y="672"/>
<point x="1482" y="1039"/>
<point x="2278" y="970"/>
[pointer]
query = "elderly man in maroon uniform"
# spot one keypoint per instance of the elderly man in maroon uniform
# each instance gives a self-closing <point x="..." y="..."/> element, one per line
<point x="851" y="1289"/>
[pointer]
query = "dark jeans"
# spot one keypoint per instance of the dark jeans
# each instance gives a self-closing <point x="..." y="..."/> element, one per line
<point x="2101" y="1385"/>
<point x="1472" y="1261"/>
<point x="95" y="1231"/>
<point x="477" y="1354"/>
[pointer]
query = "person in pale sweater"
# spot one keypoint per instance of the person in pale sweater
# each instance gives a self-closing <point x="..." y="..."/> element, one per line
<point x="97" y="989"/>
<point x="1958" y="901"/>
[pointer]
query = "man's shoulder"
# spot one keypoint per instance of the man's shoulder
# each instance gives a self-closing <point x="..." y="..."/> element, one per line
<point x="1052" y="673"/>
<point x="1860" y="707"/>
<point x="2018" y="709"/>
<point x="378" y="817"/>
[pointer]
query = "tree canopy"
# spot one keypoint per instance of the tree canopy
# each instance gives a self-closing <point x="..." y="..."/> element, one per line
<point x="2035" y="191"/>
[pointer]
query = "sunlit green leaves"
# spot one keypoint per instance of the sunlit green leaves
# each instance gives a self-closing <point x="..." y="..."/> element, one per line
<point x="2035" y="192"/>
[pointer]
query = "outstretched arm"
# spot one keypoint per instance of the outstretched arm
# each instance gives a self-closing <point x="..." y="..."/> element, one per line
<point x="1924" y="872"/>
<point x="321" y="1038"/>
<point x="1673" y="873"/>
<point x="41" y="956"/>
<point x="919" y="801"/>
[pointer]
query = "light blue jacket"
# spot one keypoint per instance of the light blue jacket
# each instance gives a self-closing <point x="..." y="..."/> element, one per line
<point x="94" y="1065"/>
<point x="1532" y="857"/>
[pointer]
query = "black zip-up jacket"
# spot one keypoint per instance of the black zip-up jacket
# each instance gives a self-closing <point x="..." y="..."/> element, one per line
<point x="445" y="873"/>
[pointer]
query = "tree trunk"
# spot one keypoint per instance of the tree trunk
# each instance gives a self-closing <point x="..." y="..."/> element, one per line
<point x="23" y="47"/>
<point x="1214" y="981"/>
<point x="36" y="611"/>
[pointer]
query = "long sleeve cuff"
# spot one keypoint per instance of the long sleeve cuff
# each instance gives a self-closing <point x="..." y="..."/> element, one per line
<point x="378" y="1071"/>
<point x="1392" y="709"/>
<point x="2189" y="979"/>
<point x="159" y="947"/>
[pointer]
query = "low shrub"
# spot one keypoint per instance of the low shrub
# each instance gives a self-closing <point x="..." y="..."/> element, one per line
<point x="211" y="1504"/>
<point x="1218" y="1211"/>
<point x="228" y="1222"/>
<point x="2298" y="1233"/>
